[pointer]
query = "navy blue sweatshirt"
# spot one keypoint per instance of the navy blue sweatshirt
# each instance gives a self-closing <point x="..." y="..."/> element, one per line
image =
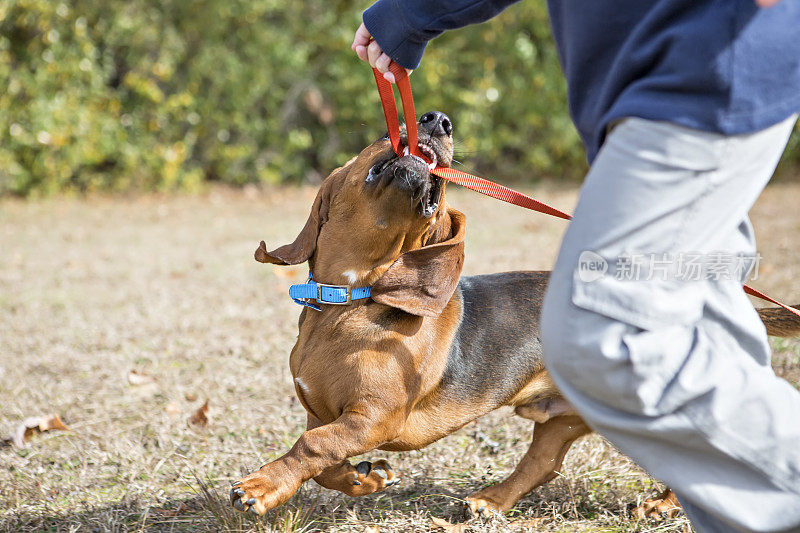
<point x="714" y="65"/>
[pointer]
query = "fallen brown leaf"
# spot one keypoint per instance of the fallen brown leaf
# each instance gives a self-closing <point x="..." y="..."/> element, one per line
<point x="32" y="426"/>
<point x="140" y="378"/>
<point x="441" y="523"/>
<point x="200" y="417"/>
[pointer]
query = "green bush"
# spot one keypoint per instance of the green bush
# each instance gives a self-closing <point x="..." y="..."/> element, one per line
<point x="168" y="94"/>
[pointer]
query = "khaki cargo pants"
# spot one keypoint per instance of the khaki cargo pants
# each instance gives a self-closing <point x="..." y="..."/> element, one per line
<point x="671" y="363"/>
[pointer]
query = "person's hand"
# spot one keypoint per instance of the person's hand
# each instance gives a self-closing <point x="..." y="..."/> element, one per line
<point x="766" y="3"/>
<point x="370" y="51"/>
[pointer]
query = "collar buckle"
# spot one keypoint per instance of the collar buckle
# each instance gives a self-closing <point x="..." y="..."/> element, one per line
<point x="321" y="300"/>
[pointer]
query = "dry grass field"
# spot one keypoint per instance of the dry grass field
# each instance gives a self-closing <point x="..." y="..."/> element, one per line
<point x="124" y="315"/>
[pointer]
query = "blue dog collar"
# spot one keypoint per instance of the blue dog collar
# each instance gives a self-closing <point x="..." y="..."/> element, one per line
<point x="322" y="293"/>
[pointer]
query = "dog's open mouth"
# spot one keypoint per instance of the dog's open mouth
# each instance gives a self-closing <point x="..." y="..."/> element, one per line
<point x="429" y="202"/>
<point x="412" y="174"/>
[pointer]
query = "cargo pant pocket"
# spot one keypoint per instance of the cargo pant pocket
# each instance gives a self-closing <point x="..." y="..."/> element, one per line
<point x="647" y="354"/>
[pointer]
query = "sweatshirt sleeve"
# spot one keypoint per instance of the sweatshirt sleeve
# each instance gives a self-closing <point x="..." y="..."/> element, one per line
<point x="404" y="27"/>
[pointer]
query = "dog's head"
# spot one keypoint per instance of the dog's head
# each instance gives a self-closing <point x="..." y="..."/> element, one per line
<point x="382" y="220"/>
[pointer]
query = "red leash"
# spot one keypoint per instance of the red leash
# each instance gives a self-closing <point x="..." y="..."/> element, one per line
<point x="464" y="179"/>
<point x="758" y="294"/>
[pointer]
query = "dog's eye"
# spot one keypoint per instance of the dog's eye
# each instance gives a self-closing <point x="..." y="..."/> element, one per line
<point x="373" y="173"/>
<point x="376" y="169"/>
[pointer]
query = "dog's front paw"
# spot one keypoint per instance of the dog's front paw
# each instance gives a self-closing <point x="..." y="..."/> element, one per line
<point x="259" y="492"/>
<point x="367" y="477"/>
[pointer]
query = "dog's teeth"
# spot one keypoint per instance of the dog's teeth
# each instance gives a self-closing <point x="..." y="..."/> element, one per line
<point x="427" y="150"/>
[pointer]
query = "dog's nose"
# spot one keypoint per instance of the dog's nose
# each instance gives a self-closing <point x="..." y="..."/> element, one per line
<point x="436" y="123"/>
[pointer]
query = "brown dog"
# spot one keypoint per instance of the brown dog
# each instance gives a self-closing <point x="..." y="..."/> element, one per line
<point x="428" y="352"/>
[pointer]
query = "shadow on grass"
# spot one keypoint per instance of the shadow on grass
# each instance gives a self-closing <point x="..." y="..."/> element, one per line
<point x="312" y="509"/>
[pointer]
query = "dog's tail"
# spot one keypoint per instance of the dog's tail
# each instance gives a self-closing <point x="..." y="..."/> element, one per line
<point x="779" y="321"/>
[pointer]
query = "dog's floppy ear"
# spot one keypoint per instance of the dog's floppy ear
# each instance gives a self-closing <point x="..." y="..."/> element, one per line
<point x="304" y="245"/>
<point x="422" y="281"/>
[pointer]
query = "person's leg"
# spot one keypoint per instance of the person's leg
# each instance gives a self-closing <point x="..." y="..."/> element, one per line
<point x="676" y="373"/>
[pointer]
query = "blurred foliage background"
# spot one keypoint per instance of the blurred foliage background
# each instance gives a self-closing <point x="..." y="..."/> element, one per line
<point x="170" y="94"/>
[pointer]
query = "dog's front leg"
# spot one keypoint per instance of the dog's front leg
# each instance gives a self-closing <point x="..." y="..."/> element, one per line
<point x="356" y="431"/>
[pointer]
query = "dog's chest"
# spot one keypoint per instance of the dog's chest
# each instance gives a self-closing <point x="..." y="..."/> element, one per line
<point x="328" y="378"/>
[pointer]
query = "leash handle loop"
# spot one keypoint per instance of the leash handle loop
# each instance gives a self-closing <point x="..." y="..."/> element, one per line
<point x="389" y="105"/>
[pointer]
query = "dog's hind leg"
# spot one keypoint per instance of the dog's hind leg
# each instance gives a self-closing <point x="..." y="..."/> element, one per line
<point x="551" y="441"/>
<point x="364" y="478"/>
<point x="665" y="505"/>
